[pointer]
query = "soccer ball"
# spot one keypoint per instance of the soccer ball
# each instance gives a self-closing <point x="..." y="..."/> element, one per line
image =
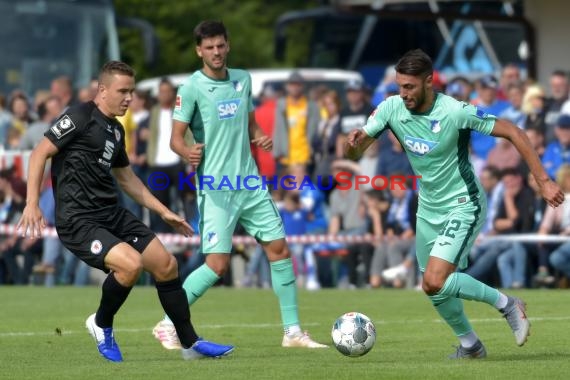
<point x="353" y="334"/>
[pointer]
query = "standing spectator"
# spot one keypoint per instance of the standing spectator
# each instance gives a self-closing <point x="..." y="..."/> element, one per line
<point x="381" y="91"/>
<point x="324" y="142"/>
<point x="62" y="87"/>
<point x="558" y="151"/>
<point x="159" y="155"/>
<point x="140" y="107"/>
<point x="296" y="122"/>
<point x="48" y="111"/>
<point x="21" y="114"/>
<point x="265" y="117"/>
<point x="5" y="122"/>
<point x="558" y="96"/>
<point x="355" y="114"/>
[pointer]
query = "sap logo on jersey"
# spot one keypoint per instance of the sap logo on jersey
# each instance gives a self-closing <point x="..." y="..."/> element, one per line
<point x="228" y="108"/>
<point x="419" y="147"/>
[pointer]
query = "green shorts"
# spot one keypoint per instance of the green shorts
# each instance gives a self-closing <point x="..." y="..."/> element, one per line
<point x="449" y="235"/>
<point x="220" y="211"/>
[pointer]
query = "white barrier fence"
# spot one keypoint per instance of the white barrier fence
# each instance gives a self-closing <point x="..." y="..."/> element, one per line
<point x="17" y="160"/>
<point x="8" y="229"/>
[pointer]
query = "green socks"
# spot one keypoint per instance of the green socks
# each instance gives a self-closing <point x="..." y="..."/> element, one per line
<point x="285" y="287"/>
<point x="448" y="300"/>
<point x="198" y="282"/>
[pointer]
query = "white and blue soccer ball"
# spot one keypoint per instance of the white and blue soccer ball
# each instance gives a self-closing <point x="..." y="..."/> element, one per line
<point x="353" y="334"/>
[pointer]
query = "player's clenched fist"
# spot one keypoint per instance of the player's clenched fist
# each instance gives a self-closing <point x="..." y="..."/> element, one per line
<point x="355" y="137"/>
<point x="195" y="154"/>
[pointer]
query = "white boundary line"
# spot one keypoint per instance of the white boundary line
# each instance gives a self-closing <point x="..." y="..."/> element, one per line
<point x="274" y="325"/>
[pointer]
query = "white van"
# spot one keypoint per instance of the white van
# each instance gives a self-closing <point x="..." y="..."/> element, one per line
<point x="260" y="78"/>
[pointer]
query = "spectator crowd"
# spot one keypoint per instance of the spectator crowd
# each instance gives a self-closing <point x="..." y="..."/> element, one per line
<point x="309" y="126"/>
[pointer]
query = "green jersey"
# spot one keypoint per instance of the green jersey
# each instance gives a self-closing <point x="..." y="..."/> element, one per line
<point x="218" y="115"/>
<point x="437" y="145"/>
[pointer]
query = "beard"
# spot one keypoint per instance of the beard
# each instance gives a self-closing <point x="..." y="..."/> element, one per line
<point x="216" y="66"/>
<point x="419" y="102"/>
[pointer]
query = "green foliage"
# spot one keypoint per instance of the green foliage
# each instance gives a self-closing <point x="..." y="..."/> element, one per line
<point x="42" y="336"/>
<point x="250" y="24"/>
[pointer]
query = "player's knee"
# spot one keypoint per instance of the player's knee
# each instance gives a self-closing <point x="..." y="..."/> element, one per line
<point x="129" y="271"/>
<point x="277" y="251"/>
<point x="166" y="272"/>
<point x="218" y="263"/>
<point x="431" y="285"/>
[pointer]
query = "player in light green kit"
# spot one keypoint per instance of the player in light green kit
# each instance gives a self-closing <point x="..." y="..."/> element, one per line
<point x="434" y="129"/>
<point x="216" y="104"/>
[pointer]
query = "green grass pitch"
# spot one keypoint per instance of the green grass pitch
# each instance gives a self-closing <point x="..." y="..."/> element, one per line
<point x="42" y="336"/>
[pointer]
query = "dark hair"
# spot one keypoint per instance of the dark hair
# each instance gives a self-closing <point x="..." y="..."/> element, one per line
<point x="167" y="81"/>
<point x="115" y="67"/>
<point x="512" y="171"/>
<point x="493" y="171"/>
<point x="416" y="63"/>
<point x="145" y="96"/>
<point x="559" y="73"/>
<point x="208" y="29"/>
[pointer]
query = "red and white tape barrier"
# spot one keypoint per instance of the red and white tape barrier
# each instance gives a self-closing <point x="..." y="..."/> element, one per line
<point x="8" y="229"/>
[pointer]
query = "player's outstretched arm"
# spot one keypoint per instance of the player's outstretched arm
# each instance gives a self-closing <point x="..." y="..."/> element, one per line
<point x="549" y="190"/>
<point x="356" y="144"/>
<point x="133" y="186"/>
<point x="32" y="219"/>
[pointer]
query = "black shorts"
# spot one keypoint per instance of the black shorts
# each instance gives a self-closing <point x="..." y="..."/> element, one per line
<point x="91" y="240"/>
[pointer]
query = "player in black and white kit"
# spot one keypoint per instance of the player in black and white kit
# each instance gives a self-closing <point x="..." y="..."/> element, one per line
<point x="87" y="148"/>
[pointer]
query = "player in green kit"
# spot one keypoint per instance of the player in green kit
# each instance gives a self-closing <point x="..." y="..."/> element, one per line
<point x="434" y="129"/>
<point x="216" y="104"/>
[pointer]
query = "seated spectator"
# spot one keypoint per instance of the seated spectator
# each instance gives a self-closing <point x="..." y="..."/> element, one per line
<point x="557" y="221"/>
<point x="460" y="88"/>
<point x="295" y="220"/>
<point x="487" y="102"/>
<point x="394" y="159"/>
<point x="347" y="217"/>
<point x="399" y="233"/>
<point x="558" y="152"/>
<point x="533" y="106"/>
<point x="514" y="113"/>
<point x="13" y="200"/>
<point x="516" y="215"/>
<point x="504" y="155"/>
